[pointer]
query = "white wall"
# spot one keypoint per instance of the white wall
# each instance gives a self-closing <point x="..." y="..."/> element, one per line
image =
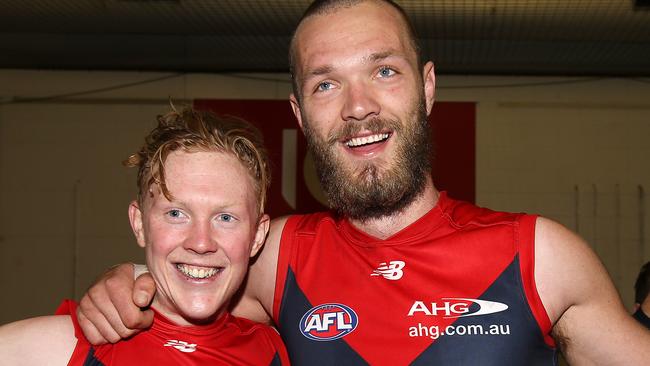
<point x="575" y="152"/>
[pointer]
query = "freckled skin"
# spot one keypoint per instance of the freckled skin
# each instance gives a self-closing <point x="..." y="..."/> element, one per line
<point x="210" y="222"/>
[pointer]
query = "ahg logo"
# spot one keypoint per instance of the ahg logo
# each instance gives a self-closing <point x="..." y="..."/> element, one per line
<point x="328" y="322"/>
<point x="457" y="307"/>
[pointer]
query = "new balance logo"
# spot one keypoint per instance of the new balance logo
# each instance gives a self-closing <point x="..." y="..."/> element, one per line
<point x="391" y="271"/>
<point x="181" y="346"/>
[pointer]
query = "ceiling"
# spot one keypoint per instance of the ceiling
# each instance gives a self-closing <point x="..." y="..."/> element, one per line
<point x="501" y="37"/>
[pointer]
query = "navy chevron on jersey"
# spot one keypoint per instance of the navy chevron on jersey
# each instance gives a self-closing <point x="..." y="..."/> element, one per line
<point x="227" y="341"/>
<point x="454" y="288"/>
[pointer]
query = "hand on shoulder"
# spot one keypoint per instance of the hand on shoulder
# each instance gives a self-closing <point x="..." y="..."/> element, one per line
<point x="112" y="308"/>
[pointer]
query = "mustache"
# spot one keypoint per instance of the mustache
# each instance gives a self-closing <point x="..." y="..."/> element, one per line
<point x="374" y="125"/>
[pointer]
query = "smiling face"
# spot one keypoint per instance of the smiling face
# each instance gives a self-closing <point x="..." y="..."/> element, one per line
<point x="363" y="104"/>
<point x="198" y="245"/>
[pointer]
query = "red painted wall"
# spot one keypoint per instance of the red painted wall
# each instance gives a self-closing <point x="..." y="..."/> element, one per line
<point x="454" y="134"/>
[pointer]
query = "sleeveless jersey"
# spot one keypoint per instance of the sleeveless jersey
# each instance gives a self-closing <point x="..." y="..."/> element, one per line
<point x="454" y="288"/>
<point x="227" y="341"/>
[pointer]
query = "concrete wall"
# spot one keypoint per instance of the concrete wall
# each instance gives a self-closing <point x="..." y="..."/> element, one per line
<point x="574" y="150"/>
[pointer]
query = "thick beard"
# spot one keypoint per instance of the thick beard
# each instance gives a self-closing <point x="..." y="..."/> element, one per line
<point x="370" y="192"/>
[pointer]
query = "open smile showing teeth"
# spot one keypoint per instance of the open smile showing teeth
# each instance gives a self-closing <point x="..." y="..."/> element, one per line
<point x="198" y="273"/>
<point x="360" y="141"/>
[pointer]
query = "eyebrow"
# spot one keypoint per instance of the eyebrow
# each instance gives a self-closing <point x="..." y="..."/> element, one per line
<point x="320" y="71"/>
<point x="379" y="56"/>
<point x="372" y="58"/>
<point x="227" y="205"/>
<point x="311" y="74"/>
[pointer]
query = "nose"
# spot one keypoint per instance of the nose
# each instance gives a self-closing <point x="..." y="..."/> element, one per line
<point x="360" y="103"/>
<point x="202" y="238"/>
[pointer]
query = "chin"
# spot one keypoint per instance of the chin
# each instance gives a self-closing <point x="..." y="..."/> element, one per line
<point x="201" y="315"/>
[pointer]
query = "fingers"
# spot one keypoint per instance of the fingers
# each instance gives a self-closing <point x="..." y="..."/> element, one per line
<point x="122" y="312"/>
<point x="91" y="321"/>
<point x="94" y="318"/>
<point x="143" y="290"/>
<point x="107" y="311"/>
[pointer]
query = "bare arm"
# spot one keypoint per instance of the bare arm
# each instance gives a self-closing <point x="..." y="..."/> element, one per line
<point x="256" y="302"/>
<point x="111" y="309"/>
<point x="46" y="340"/>
<point x="588" y="316"/>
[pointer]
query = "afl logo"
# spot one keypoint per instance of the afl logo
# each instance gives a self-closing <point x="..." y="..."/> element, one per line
<point x="327" y="322"/>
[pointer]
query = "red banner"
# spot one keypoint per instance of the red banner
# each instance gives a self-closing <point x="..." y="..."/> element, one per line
<point x="294" y="187"/>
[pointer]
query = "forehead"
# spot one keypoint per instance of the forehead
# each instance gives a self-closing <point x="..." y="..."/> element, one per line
<point x="211" y="173"/>
<point x="348" y="33"/>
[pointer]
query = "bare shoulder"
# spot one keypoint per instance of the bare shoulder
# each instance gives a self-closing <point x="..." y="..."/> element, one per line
<point x="256" y="302"/>
<point x="564" y="267"/>
<point x="582" y="302"/>
<point x="45" y="340"/>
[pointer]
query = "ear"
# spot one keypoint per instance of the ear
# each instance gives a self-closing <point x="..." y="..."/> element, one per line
<point x="429" y="77"/>
<point x="135" y="217"/>
<point x="295" y="106"/>
<point x="260" y="235"/>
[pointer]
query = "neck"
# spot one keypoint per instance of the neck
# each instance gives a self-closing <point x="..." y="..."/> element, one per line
<point x="386" y="226"/>
<point x="168" y="310"/>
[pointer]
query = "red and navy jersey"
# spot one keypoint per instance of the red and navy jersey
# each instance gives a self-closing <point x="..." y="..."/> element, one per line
<point x="227" y="341"/>
<point x="454" y="288"/>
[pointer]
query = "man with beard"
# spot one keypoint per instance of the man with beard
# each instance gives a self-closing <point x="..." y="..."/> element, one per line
<point x="399" y="273"/>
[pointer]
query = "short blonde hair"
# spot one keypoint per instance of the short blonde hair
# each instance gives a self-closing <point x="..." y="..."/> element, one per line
<point x="192" y="130"/>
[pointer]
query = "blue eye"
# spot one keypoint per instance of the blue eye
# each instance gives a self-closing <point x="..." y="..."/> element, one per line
<point x="324" y="86"/>
<point x="226" y="218"/>
<point x="386" y="72"/>
<point x="175" y="214"/>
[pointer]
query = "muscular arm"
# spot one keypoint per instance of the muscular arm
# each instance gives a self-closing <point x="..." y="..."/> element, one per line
<point x="589" y="319"/>
<point x="46" y="340"/>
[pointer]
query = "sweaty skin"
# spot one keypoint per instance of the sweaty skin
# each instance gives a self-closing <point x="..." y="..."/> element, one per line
<point x="340" y="71"/>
